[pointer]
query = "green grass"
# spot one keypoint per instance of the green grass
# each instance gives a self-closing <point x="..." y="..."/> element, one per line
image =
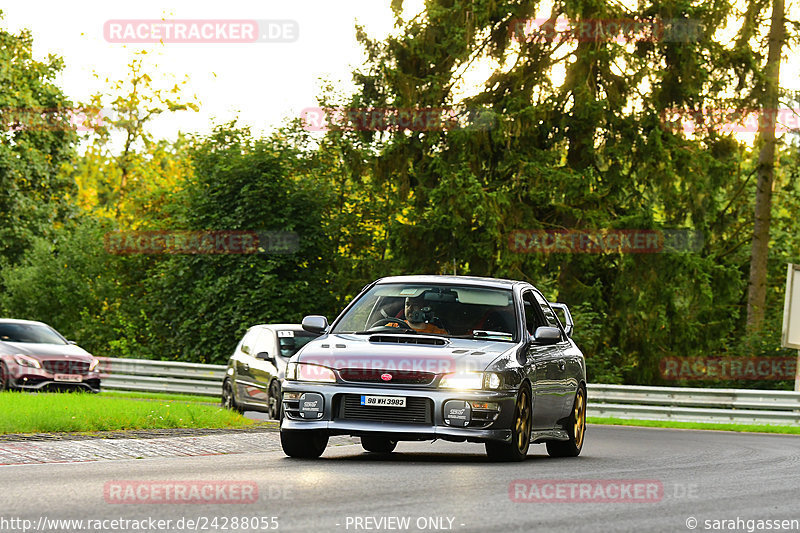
<point x="160" y="396"/>
<point x="56" y="412"/>
<point x="795" y="430"/>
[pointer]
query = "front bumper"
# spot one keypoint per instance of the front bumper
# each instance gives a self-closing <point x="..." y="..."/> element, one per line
<point x="34" y="379"/>
<point x="340" y="416"/>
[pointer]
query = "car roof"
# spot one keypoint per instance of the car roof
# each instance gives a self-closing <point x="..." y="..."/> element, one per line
<point x="296" y="327"/>
<point x="20" y="321"/>
<point x="460" y="280"/>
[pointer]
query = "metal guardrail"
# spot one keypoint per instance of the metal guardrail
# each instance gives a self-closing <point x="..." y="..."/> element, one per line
<point x="682" y="404"/>
<point x="143" y="375"/>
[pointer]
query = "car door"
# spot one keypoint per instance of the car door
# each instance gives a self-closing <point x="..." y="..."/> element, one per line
<point x="244" y="361"/>
<point x="263" y="370"/>
<point x="567" y="385"/>
<point x="547" y="362"/>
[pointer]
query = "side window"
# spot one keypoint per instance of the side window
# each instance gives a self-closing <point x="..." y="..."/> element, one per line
<point x="548" y="313"/>
<point x="532" y="320"/>
<point x="264" y="342"/>
<point x="249" y="342"/>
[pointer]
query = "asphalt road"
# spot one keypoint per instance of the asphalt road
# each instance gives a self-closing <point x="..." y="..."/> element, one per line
<point x="430" y="487"/>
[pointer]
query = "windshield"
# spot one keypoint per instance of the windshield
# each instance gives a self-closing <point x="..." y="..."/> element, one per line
<point x="444" y="310"/>
<point x="33" y="333"/>
<point x="291" y="341"/>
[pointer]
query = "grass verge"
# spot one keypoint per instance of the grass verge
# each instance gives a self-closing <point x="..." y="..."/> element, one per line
<point x="751" y="428"/>
<point x="160" y="396"/>
<point x="22" y="412"/>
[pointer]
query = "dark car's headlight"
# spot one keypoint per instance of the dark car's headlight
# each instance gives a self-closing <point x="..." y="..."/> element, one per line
<point x="24" y="360"/>
<point x="472" y="381"/>
<point x="309" y="372"/>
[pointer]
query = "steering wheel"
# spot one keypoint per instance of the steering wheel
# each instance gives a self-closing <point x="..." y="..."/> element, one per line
<point x="401" y="324"/>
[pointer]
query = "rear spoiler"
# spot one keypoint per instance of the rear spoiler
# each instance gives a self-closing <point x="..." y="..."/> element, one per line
<point x="569" y="325"/>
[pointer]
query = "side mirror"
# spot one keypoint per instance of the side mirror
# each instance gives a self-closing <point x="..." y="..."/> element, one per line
<point x="568" y="324"/>
<point x="315" y="323"/>
<point x="265" y="356"/>
<point x="72" y="342"/>
<point x="547" y="335"/>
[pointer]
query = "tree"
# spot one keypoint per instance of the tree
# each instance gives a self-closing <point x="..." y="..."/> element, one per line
<point x="38" y="137"/>
<point x="592" y="151"/>
<point x="199" y="305"/>
<point x="768" y="100"/>
<point x="130" y="184"/>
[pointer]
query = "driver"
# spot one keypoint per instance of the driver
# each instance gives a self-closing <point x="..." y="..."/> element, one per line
<point x="420" y="317"/>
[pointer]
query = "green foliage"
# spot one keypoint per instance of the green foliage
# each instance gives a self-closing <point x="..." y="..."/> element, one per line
<point x="200" y="305"/>
<point x="36" y="138"/>
<point x="72" y="283"/>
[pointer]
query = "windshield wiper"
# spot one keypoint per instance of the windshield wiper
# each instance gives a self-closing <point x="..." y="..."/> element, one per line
<point x="480" y="334"/>
<point x="372" y="331"/>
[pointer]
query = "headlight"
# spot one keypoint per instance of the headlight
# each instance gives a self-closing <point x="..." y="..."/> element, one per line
<point x="472" y="381"/>
<point x="24" y="360"/>
<point x="308" y="372"/>
<point x="467" y="380"/>
<point x="94" y="364"/>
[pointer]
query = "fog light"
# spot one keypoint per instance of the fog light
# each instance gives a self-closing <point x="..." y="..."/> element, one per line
<point x="292" y="395"/>
<point x="457" y="413"/>
<point x="311" y="405"/>
<point x="492" y="381"/>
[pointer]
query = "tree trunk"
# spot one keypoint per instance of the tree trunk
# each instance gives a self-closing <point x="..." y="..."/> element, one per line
<point x="757" y="287"/>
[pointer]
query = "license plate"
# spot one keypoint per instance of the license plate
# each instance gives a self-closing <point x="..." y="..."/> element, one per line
<point x="70" y="378"/>
<point x="383" y="401"/>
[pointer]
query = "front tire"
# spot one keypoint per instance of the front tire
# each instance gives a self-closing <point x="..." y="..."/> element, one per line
<point x="303" y="444"/>
<point x="5" y="377"/>
<point x="275" y="401"/>
<point x="517" y="449"/>
<point x="576" y="429"/>
<point x="376" y="444"/>
<point x="228" y="399"/>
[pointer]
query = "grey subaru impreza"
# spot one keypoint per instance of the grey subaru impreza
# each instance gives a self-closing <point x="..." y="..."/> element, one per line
<point x="439" y="357"/>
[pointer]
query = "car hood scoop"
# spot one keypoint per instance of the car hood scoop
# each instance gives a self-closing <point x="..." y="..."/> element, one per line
<point x="408" y="339"/>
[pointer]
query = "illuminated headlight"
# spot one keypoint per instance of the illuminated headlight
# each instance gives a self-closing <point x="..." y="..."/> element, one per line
<point x="94" y="364"/>
<point x="24" y="360"/>
<point x="308" y="372"/>
<point x="467" y="381"/>
<point x="472" y="381"/>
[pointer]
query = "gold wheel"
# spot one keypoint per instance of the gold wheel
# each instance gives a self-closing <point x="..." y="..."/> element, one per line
<point x="522" y="424"/>
<point x="579" y="426"/>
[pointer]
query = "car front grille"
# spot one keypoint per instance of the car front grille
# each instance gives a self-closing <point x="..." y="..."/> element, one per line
<point x="60" y="366"/>
<point x="398" y="377"/>
<point x="417" y="411"/>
